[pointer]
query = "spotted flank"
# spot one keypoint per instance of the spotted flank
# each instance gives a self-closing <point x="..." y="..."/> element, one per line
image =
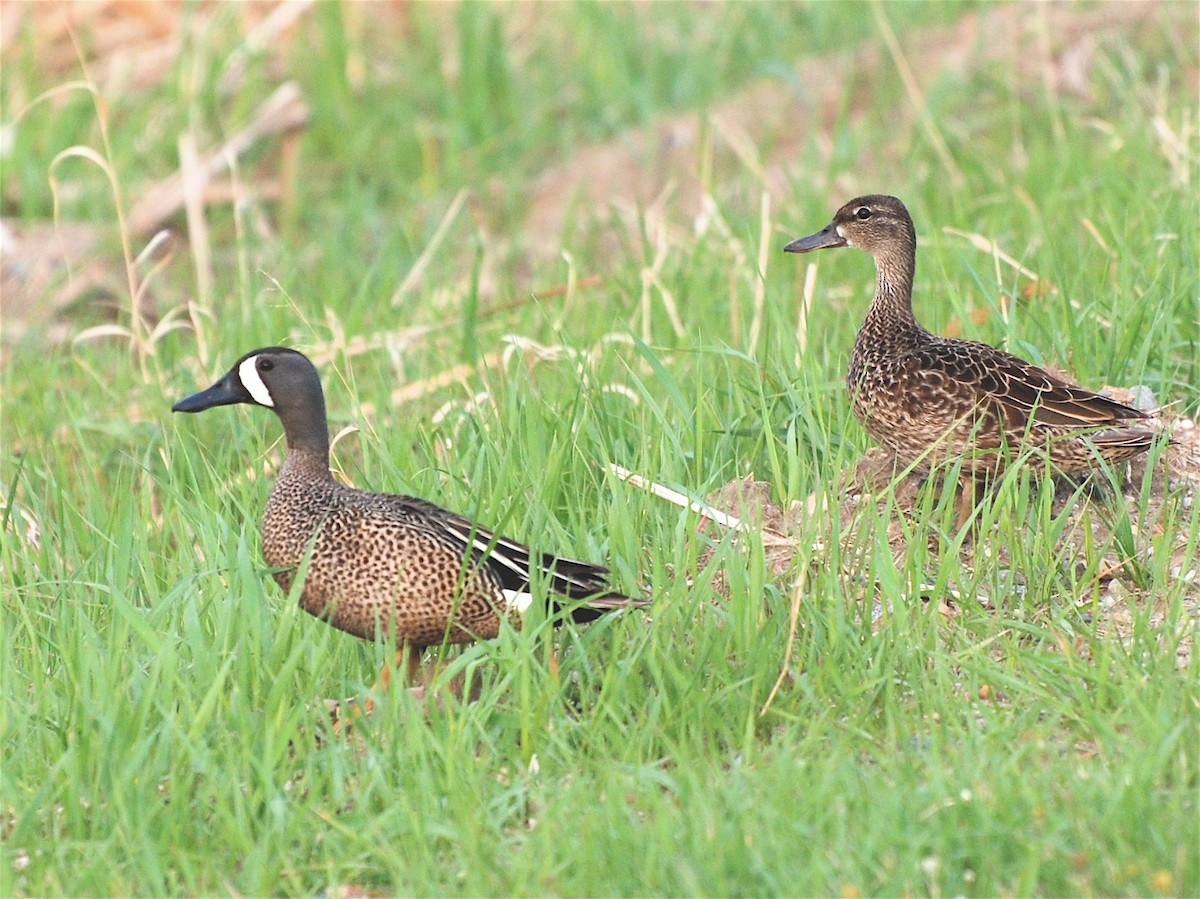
<point x="381" y="562"/>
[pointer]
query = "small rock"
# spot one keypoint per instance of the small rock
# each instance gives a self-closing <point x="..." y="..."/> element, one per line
<point x="1142" y="398"/>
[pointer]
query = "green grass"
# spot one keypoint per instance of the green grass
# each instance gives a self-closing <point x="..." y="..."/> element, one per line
<point x="162" y="696"/>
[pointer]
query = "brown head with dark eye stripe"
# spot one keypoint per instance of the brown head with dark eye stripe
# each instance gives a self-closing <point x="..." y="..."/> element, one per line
<point x="867" y="223"/>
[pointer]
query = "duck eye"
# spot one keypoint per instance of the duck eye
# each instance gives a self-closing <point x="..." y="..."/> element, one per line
<point x="265" y="364"/>
<point x="862" y="213"/>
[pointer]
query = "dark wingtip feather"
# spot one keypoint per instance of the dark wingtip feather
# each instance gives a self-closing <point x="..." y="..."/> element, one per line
<point x="1131" y="439"/>
<point x="572" y="579"/>
<point x="511" y="562"/>
<point x="595" y="606"/>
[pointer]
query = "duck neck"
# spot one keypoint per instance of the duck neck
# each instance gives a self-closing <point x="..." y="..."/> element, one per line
<point x="891" y="313"/>
<point x="307" y="434"/>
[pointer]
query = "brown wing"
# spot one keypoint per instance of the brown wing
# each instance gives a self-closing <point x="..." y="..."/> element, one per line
<point x="1022" y="389"/>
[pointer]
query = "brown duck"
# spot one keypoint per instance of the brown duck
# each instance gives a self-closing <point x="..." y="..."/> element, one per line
<point x="379" y="563"/>
<point x="929" y="398"/>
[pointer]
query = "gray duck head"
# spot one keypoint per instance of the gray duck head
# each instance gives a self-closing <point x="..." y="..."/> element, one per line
<point x="281" y="379"/>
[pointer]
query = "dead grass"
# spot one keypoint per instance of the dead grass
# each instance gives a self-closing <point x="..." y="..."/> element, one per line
<point x="766" y="127"/>
<point x="48" y="268"/>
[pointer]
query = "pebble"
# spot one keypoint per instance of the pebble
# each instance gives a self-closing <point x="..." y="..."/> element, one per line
<point x="1142" y="398"/>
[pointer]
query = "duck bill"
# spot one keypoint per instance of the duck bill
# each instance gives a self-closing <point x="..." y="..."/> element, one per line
<point x="220" y="394"/>
<point x="825" y="238"/>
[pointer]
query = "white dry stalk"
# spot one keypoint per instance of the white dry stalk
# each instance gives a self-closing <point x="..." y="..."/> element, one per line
<point x="261" y="37"/>
<point x="909" y="80"/>
<point x="569" y="293"/>
<point x="806" y="302"/>
<point x="652" y="277"/>
<point x="283" y="111"/>
<point x="987" y="245"/>
<point x="527" y="346"/>
<point x="337" y="438"/>
<point x="464" y="409"/>
<point x="194" y="179"/>
<point x="1174" y="148"/>
<point x="585" y="360"/>
<point x="469" y="406"/>
<point x="724" y="519"/>
<point x="793" y="627"/>
<point x="414" y="274"/>
<point x="1091" y="228"/>
<point x="760" y="276"/>
<point x="417" y="389"/>
<point x="741" y="143"/>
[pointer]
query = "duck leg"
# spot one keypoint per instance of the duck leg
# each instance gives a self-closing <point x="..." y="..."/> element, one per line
<point x="965" y="501"/>
<point x="407" y="660"/>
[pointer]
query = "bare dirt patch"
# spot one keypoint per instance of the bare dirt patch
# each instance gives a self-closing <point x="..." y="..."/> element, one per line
<point x="764" y="128"/>
<point x="1174" y="489"/>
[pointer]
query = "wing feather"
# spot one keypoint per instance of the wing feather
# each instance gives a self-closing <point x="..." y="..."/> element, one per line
<point x="510" y="562"/>
<point x="1021" y="387"/>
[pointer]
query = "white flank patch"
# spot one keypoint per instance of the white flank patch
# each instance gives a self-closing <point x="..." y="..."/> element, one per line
<point x="516" y="601"/>
<point x="254" y="383"/>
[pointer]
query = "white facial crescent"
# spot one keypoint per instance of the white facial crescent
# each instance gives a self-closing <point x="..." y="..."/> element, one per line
<point x="253" y="382"/>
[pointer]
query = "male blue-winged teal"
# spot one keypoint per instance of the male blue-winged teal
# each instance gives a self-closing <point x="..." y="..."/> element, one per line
<point x="929" y="398"/>
<point x="380" y="563"/>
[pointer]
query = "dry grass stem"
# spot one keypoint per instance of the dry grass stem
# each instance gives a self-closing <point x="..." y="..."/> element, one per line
<point x="987" y="245"/>
<point x="806" y="301"/>
<point x="916" y="97"/>
<point x="1049" y="75"/>
<point x="1091" y="229"/>
<point x="793" y="627"/>
<point x="193" y="183"/>
<point x="741" y="142"/>
<point x="456" y="374"/>
<point x="262" y="36"/>
<point x="418" y="269"/>
<point x="283" y="111"/>
<point x="760" y="275"/>
<point x="652" y="278"/>
<point x="724" y="519"/>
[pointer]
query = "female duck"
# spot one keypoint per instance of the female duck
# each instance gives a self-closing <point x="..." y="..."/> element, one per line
<point x="930" y="398"/>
